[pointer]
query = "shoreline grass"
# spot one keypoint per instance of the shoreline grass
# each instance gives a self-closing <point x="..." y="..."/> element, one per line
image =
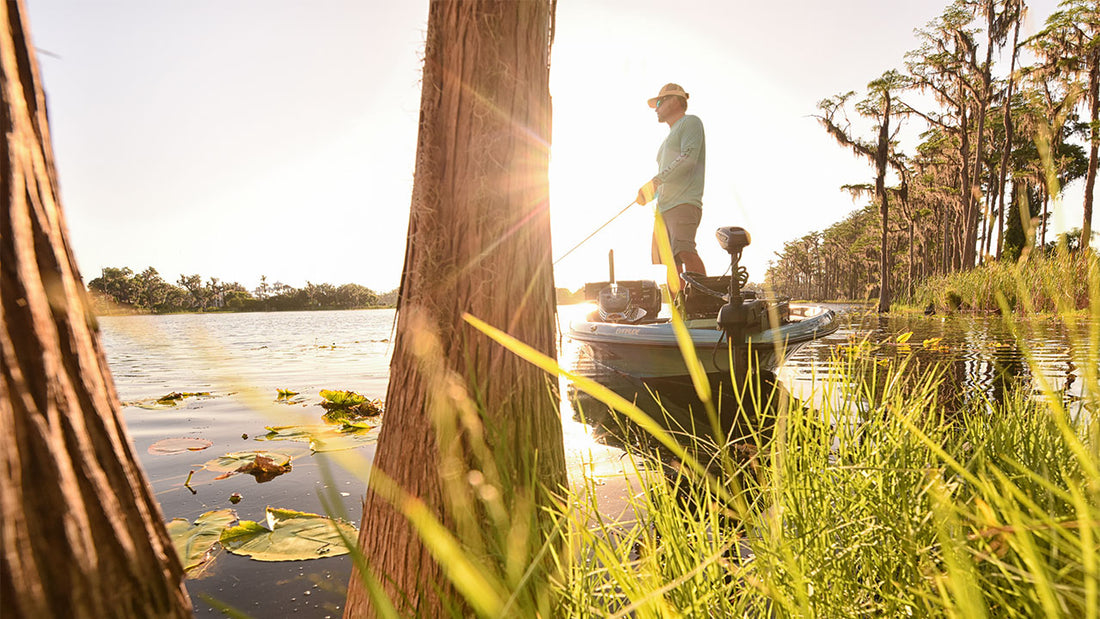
<point x="1054" y="284"/>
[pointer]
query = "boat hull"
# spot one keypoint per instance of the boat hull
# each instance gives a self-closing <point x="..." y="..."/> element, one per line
<point x="649" y="351"/>
<point x="644" y="365"/>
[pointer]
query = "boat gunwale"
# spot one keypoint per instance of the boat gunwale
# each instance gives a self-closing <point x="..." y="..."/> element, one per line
<point x="660" y="334"/>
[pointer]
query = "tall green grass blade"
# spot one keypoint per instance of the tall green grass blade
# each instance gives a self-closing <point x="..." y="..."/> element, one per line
<point x="592" y="388"/>
<point x="683" y="337"/>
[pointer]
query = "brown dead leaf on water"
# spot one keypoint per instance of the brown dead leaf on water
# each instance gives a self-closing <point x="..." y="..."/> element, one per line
<point x="264" y="467"/>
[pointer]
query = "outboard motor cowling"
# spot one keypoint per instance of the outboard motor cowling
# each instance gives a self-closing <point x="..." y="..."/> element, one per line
<point x="626" y="301"/>
<point x="616" y="305"/>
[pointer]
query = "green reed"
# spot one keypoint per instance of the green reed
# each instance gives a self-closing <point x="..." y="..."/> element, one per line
<point x="1044" y="282"/>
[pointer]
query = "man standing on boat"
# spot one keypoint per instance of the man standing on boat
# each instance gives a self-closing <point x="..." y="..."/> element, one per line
<point x="678" y="186"/>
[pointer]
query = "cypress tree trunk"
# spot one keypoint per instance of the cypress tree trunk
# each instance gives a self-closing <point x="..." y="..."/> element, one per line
<point x="478" y="242"/>
<point x="1094" y="144"/>
<point x="82" y="534"/>
<point x="1006" y="150"/>
<point x="979" y="148"/>
<point x="969" y="212"/>
<point x="884" y="296"/>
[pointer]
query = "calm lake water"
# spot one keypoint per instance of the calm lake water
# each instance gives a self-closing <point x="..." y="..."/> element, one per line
<point x="983" y="356"/>
<point x="243" y="359"/>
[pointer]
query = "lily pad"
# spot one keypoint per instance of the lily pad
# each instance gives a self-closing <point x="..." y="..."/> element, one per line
<point x="350" y="403"/>
<point x="195" y="543"/>
<point x="323" y="438"/>
<point x="341" y="417"/>
<point x="166" y="401"/>
<point x="167" y="446"/>
<point x="289" y="536"/>
<point x="263" y="465"/>
<point x="341" y="399"/>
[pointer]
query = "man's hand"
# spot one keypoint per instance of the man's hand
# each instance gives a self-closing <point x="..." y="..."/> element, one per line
<point x="647" y="192"/>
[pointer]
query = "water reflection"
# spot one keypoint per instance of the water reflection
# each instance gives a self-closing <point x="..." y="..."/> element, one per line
<point x="984" y="357"/>
<point x="678" y="410"/>
<point x="672" y="402"/>
<point x="234" y="355"/>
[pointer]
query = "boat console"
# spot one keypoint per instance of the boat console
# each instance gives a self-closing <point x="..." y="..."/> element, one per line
<point x="720" y="299"/>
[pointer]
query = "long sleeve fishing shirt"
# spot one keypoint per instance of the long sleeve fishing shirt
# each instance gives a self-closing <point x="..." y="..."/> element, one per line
<point x="682" y="164"/>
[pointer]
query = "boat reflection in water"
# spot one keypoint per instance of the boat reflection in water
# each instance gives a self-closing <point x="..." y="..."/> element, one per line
<point x="644" y="364"/>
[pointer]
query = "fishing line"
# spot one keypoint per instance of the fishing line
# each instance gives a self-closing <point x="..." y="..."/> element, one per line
<point x="585" y="240"/>
<point x="557" y="317"/>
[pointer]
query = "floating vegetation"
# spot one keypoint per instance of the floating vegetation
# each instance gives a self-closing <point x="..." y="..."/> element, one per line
<point x="235" y="498"/>
<point x="348" y="404"/>
<point x="289" y="536"/>
<point x="176" y="396"/>
<point x="324" y="437"/>
<point x="170" y="400"/>
<point x="263" y="465"/>
<point x="195" y="543"/>
<point x="344" y="418"/>
<point x="168" y="446"/>
<point x="288" y="396"/>
<point x="933" y="343"/>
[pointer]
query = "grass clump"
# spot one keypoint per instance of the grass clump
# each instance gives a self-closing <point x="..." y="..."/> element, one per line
<point x="883" y="500"/>
<point x="1048" y="283"/>
<point x="864" y="509"/>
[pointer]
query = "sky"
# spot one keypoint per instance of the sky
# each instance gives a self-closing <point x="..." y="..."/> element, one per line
<point x="276" y="138"/>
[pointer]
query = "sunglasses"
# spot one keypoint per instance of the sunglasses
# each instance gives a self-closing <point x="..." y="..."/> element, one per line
<point x="662" y="100"/>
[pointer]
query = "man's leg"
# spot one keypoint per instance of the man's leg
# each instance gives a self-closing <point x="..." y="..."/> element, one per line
<point x="690" y="261"/>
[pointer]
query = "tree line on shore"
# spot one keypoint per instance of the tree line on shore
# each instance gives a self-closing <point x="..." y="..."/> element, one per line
<point x="997" y="145"/>
<point x="120" y="289"/>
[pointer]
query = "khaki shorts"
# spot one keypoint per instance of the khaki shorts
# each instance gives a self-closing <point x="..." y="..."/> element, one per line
<point x="682" y="221"/>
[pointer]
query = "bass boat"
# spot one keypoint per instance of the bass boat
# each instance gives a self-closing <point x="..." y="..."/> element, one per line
<point x="629" y="346"/>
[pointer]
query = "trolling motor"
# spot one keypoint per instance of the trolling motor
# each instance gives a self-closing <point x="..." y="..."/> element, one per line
<point x="733" y="317"/>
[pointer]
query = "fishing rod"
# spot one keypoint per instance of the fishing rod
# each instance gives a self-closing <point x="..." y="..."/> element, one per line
<point x="585" y="240"/>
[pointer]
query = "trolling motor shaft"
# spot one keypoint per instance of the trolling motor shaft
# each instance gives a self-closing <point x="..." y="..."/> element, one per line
<point x="733" y="317"/>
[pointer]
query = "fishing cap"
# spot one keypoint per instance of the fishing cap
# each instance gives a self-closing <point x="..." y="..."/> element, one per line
<point x="666" y="90"/>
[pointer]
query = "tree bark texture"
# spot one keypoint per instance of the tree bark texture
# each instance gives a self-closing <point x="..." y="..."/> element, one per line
<point x="478" y="242"/>
<point x="82" y="535"/>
